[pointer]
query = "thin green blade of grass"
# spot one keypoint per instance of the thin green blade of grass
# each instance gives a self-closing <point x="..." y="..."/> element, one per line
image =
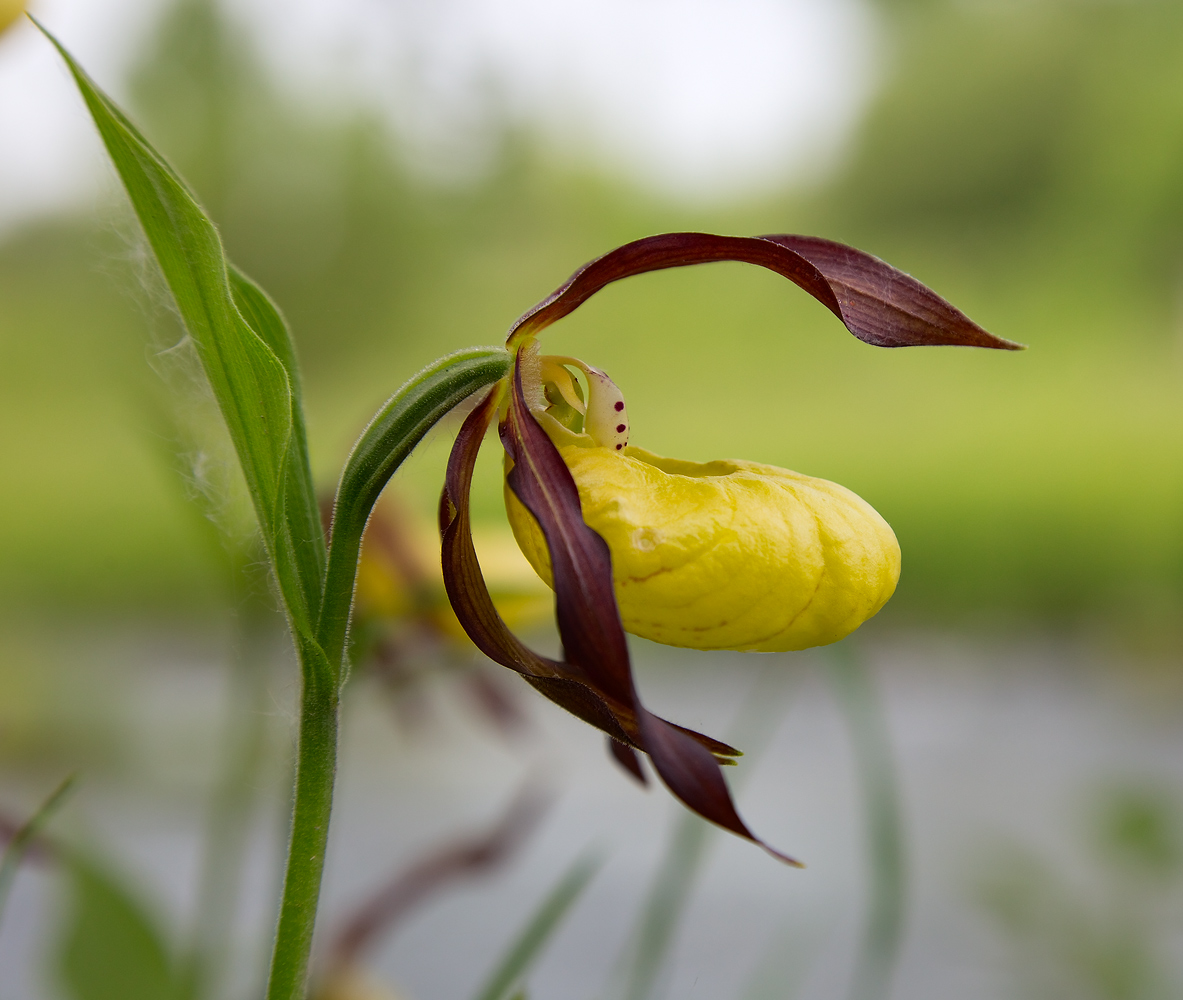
<point x="250" y="369"/>
<point x="786" y="961"/>
<point x="666" y="905"/>
<point x="15" y="851"/>
<point x="883" y="929"/>
<point x="669" y="896"/>
<point x="523" y="953"/>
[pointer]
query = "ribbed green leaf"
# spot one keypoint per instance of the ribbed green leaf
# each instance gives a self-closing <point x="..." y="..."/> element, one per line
<point x="243" y="345"/>
<point x="304" y="536"/>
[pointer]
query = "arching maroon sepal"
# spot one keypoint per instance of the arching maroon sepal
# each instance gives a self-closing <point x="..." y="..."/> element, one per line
<point x="877" y="303"/>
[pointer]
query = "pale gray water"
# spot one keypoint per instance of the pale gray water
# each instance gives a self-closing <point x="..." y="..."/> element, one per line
<point x="1009" y="741"/>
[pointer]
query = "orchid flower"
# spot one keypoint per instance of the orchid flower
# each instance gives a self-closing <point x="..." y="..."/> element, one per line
<point x="247" y="355"/>
<point x="721" y="555"/>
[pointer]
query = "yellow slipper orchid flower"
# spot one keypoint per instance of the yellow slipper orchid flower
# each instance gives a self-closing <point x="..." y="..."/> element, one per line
<point x="716" y="555"/>
<point x="707" y="555"/>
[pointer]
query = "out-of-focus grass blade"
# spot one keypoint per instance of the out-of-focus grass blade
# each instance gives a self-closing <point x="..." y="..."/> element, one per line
<point x="883" y="930"/>
<point x="537" y="932"/>
<point x="243" y="345"/>
<point x="665" y="906"/>
<point x="23" y="837"/>
<point x="111" y="948"/>
<point x="788" y="958"/>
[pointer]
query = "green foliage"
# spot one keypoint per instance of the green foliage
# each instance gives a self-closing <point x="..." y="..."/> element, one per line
<point x="1061" y="230"/>
<point x="251" y="370"/>
<point x="249" y="361"/>
<point x="111" y="948"/>
<point x="886" y="915"/>
<point x="1139" y="829"/>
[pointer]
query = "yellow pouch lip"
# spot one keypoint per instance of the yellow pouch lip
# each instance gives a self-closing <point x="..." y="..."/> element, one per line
<point x="727" y="554"/>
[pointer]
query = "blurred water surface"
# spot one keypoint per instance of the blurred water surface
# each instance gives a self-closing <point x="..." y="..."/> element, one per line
<point x="1023" y="159"/>
<point x="1012" y="757"/>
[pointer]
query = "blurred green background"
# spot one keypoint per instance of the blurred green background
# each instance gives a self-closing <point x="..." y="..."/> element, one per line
<point x="1026" y="160"/>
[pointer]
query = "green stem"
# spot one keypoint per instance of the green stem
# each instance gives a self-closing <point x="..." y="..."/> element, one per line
<point x="391" y="436"/>
<point x="316" y="765"/>
<point x="883" y="932"/>
<point x="393" y="433"/>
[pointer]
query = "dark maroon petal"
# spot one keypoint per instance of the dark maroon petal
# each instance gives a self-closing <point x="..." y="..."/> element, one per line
<point x="585" y="601"/>
<point x="462" y="572"/>
<point x="877" y="303"/>
<point x="885" y="306"/>
<point x="589" y="622"/>
<point x="692" y="774"/>
<point x="626" y="757"/>
<point x="474" y="608"/>
<point x="584" y="703"/>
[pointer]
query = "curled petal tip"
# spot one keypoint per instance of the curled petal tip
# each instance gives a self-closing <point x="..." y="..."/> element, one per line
<point x="782" y="857"/>
<point x="627" y="758"/>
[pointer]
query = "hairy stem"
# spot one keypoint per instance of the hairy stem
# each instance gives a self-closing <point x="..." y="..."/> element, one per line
<point x="391" y="436"/>
<point x="316" y="765"/>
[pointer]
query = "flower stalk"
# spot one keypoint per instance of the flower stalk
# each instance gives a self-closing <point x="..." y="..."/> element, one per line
<point x="391" y="436"/>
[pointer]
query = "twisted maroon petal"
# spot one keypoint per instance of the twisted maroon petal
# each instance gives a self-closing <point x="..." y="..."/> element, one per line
<point x="563" y="683"/>
<point x="877" y="303"/>
<point x="627" y="758"/>
<point x="589" y="621"/>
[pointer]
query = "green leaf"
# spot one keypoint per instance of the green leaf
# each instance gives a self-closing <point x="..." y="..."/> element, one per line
<point x="538" y="931"/>
<point x="111" y="949"/>
<point x="304" y="538"/>
<point x="243" y="345"/>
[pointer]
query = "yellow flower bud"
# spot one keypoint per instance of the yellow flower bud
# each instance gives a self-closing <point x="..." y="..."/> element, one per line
<point x="721" y="555"/>
<point x="10" y="10"/>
